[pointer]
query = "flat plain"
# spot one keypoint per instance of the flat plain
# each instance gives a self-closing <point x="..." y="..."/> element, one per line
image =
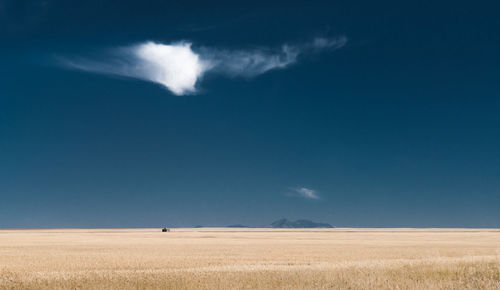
<point x="222" y="258"/>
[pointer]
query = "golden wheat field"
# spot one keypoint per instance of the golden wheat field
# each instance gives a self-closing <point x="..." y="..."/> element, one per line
<point x="216" y="258"/>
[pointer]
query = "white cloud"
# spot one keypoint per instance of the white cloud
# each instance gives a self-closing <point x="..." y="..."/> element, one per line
<point x="305" y="192"/>
<point x="179" y="68"/>
<point x="175" y="66"/>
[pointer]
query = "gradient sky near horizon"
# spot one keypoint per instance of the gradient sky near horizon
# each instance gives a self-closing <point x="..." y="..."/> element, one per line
<point x="355" y="113"/>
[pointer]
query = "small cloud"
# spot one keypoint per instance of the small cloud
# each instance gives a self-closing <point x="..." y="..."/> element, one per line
<point x="304" y="192"/>
<point x="321" y="42"/>
<point x="179" y="68"/>
<point x="175" y="66"/>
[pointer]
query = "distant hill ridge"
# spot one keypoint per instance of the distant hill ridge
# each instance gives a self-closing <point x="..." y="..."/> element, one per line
<point x="284" y="223"/>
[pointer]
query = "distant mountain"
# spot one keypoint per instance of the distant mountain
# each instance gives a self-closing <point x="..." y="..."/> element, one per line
<point x="237" y="226"/>
<point x="284" y="223"/>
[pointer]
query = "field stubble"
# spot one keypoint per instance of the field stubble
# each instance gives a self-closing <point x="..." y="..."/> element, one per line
<point x="250" y="258"/>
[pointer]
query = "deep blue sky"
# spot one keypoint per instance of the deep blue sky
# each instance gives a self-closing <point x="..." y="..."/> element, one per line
<point x="400" y="127"/>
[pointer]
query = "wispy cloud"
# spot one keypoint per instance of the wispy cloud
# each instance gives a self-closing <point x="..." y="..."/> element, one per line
<point x="179" y="68"/>
<point x="249" y="63"/>
<point x="304" y="192"/>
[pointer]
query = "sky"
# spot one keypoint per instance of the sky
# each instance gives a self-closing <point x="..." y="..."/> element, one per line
<point x="183" y="113"/>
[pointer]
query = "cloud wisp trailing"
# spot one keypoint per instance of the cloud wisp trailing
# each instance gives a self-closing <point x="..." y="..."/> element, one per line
<point x="179" y="68"/>
<point x="304" y="192"/>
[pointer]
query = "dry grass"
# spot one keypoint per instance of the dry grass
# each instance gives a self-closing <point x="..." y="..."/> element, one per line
<point x="250" y="258"/>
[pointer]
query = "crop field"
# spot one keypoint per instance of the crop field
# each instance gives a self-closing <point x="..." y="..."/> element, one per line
<point x="222" y="258"/>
